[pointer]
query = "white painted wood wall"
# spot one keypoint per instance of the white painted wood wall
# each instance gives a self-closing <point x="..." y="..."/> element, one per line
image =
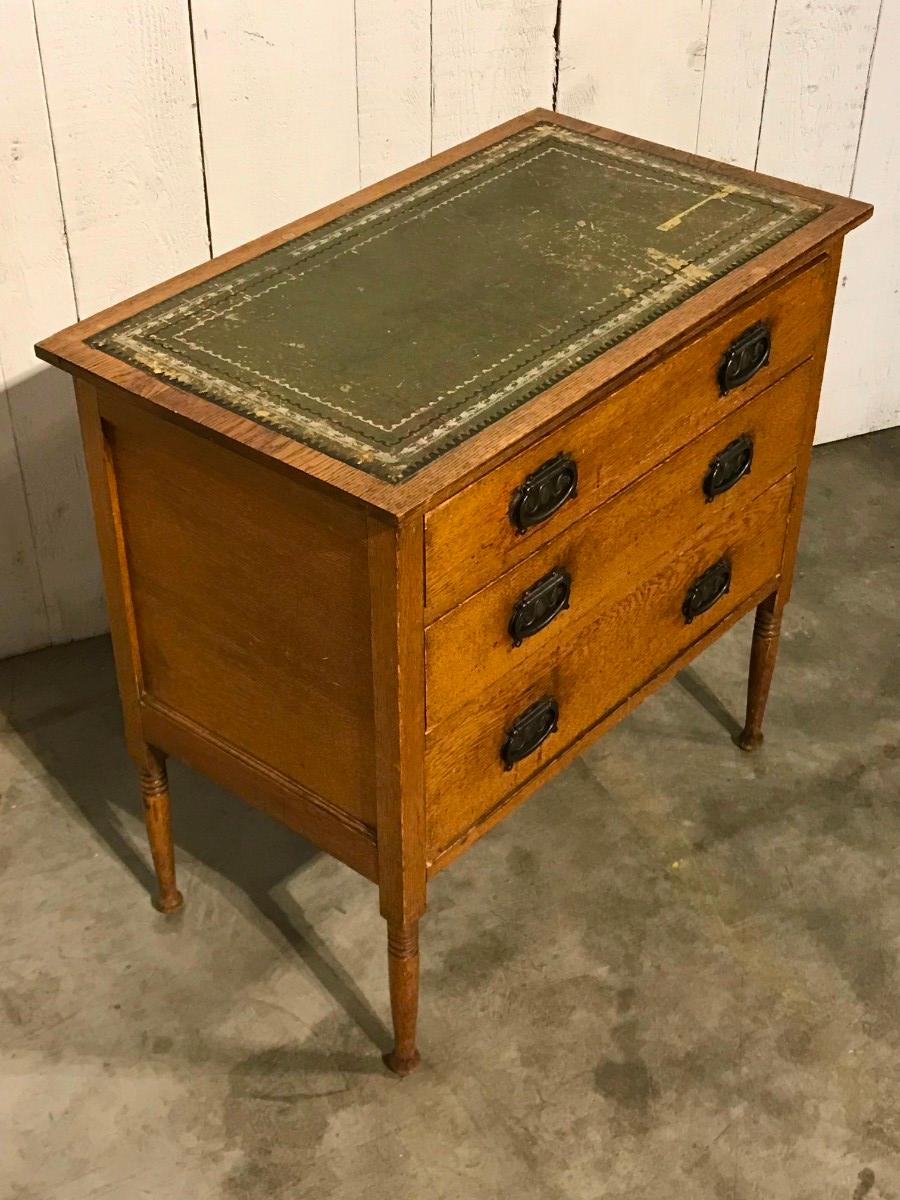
<point x="138" y="137"/>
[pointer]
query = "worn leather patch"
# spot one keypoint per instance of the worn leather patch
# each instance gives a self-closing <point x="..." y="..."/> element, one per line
<point x="395" y="332"/>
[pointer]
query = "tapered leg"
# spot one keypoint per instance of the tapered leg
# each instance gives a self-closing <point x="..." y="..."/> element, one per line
<point x="155" y="791"/>
<point x="766" y="629"/>
<point x="403" y="969"/>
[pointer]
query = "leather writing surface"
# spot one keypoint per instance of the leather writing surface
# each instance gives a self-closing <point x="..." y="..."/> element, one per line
<point x="391" y="334"/>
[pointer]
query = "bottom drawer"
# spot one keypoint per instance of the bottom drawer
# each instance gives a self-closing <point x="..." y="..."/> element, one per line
<point x="490" y="748"/>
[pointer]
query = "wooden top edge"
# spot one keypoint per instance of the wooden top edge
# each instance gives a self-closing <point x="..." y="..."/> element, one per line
<point x="68" y="349"/>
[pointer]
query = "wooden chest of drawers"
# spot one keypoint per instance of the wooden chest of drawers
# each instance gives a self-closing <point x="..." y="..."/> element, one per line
<point x="401" y="505"/>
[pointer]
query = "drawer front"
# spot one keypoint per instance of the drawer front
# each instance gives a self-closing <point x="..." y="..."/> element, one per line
<point x="503" y="517"/>
<point x="528" y="613"/>
<point x="512" y="730"/>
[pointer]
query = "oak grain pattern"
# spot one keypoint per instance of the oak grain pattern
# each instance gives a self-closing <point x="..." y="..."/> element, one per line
<point x="68" y="348"/>
<point x="611" y="658"/>
<point x="469" y="538"/>
<point x="111" y="543"/>
<point x="470" y="647"/>
<point x="395" y="565"/>
<point x="325" y="825"/>
<point x="251" y="604"/>
<point x="437" y="861"/>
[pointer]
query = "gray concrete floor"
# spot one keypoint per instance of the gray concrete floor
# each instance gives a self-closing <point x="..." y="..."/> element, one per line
<point x="673" y="973"/>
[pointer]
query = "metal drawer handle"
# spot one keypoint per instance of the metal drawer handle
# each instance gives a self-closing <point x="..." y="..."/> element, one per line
<point x="729" y="465"/>
<point x="529" y="730"/>
<point x="712" y="585"/>
<point x="542" y="492"/>
<point x="745" y="356"/>
<point x="539" y="604"/>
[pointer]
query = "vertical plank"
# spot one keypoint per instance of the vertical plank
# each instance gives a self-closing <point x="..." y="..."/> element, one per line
<point x="818" y="69"/>
<point x="49" y="562"/>
<point x="635" y="67"/>
<point x="862" y="380"/>
<point x="490" y="61"/>
<point x="24" y="623"/>
<point x="393" y="66"/>
<point x="734" y="79"/>
<point x="277" y="87"/>
<point x="120" y="90"/>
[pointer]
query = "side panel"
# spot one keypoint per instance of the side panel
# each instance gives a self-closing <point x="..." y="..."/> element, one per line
<point x="250" y="602"/>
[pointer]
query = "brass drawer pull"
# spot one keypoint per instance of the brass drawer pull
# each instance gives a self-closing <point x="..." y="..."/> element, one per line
<point x="712" y="585"/>
<point x="529" y="730"/>
<point x="729" y="465"/>
<point x="745" y="356"/>
<point x="540" y="604"/>
<point x="543" y="492"/>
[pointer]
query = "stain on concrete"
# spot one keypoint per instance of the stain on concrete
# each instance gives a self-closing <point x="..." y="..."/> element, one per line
<point x="593" y="1022"/>
<point x="865" y="1185"/>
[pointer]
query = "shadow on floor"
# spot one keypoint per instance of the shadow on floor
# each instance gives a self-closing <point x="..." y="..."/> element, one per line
<point x="238" y="844"/>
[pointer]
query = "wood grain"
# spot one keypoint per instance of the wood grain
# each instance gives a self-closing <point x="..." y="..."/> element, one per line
<point x="393" y="81"/>
<point x="25" y="626"/>
<point x="454" y="469"/>
<point x="127" y="142"/>
<point x="633" y="638"/>
<point x="116" y="577"/>
<point x="634" y="67"/>
<point x="818" y="70"/>
<point x="158" y="819"/>
<point x="277" y="88"/>
<point x="250" y="605"/>
<point x="489" y="62"/>
<point x="766" y="631"/>
<point x="734" y="79"/>
<point x="470" y="539"/>
<point x="395" y="565"/>
<point x="862" y="380"/>
<point x="50" y="588"/>
<point x="329" y="828"/>
<point x="512" y="801"/>
<point x="470" y="648"/>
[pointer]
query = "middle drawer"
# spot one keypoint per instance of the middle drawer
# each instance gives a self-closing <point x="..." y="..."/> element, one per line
<point x="524" y="616"/>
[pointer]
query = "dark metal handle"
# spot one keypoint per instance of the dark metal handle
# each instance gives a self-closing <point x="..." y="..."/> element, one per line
<point x="542" y="492"/>
<point x="729" y="465"/>
<point x="745" y="356"/>
<point x="712" y="585"/>
<point x="539" y="604"/>
<point x="529" y="730"/>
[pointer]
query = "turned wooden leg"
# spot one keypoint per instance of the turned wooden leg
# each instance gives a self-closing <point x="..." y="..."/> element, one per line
<point x="155" y="791"/>
<point x="766" y="629"/>
<point x="403" y="969"/>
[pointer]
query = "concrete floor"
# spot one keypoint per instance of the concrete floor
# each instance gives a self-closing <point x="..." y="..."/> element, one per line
<point x="672" y="974"/>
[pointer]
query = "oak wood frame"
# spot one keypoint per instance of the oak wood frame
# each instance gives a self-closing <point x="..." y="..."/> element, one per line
<point x="69" y="350"/>
<point x="393" y="855"/>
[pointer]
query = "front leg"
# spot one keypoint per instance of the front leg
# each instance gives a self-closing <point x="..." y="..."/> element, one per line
<point x="403" y="970"/>
<point x="766" y="630"/>
<point x="157" y="815"/>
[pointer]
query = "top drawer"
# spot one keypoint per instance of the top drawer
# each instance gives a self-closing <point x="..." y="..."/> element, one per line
<point x="503" y="516"/>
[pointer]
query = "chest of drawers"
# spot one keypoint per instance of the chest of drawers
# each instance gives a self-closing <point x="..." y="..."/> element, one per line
<point x="403" y="504"/>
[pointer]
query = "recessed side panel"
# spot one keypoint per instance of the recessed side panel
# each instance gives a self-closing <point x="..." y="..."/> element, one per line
<point x="251" y="604"/>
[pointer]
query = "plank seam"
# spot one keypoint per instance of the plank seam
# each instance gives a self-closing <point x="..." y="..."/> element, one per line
<point x="48" y="636"/>
<point x="557" y="34"/>
<point x="431" y="71"/>
<point x="356" y="91"/>
<point x="862" y="114"/>
<point x="190" y="9"/>
<point x="62" y="207"/>
<point x="703" y="80"/>
<point x="762" y="107"/>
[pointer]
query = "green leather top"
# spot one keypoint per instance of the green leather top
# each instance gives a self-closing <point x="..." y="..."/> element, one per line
<point x="395" y="332"/>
